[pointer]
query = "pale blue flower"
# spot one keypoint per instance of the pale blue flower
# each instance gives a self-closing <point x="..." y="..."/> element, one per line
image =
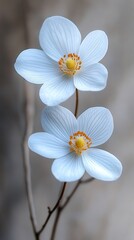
<point x="71" y="142"/>
<point x="65" y="63"/>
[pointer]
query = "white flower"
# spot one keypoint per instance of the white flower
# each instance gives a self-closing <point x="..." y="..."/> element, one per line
<point x="65" y="63"/>
<point x="71" y="143"/>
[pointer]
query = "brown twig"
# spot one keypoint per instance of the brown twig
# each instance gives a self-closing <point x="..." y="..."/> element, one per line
<point x="29" y="116"/>
<point x="50" y="212"/>
<point x="74" y="190"/>
<point x="62" y="207"/>
<point x="57" y="217"/>
<point x="59" y="207"/>
<point x="76" y="103"/>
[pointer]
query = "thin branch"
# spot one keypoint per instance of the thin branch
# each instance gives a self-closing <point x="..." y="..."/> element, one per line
<point x="59" y="208"/>
<point x="57" y="217"/>
<point x="71" y="194"/>
<point x="29" y="116"/>
<point x="50" y="212"/>
<point x="74" y="190"/>
<point x="62" y="207"/>
<point x="76" y="103"/>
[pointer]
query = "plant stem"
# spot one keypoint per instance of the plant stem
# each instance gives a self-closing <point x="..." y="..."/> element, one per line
<point x="50" y="212"/>
<point x="29" y="116"/>
<point x="76" y="103"/>
<point x="61" y="207"/>
<point x="58" y="206"/>
<point x="57" y="217"/>
<point x="74" y="190"/>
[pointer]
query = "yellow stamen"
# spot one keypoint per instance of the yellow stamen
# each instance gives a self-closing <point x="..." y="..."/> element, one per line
<point x="79" y="142"/>
<point x="70" y="63"/>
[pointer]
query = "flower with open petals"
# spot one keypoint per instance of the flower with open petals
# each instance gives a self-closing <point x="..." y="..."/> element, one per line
<point x="71" y="142"/>
<point x="65" y="63"/>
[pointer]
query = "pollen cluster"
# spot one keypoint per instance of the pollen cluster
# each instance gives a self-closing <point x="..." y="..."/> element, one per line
<point x="70" y="64"/>
<point x="79" y="142"/>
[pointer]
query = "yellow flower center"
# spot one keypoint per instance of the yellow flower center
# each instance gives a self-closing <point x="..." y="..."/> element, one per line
<point x="70" y="64"/>
<point x="79" y="142"/>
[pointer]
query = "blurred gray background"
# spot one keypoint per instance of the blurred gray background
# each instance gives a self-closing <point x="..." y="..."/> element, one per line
<point x="99" y="210"/>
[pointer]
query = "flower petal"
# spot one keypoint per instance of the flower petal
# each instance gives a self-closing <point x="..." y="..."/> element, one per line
<point x="59" y="121"/>
<point x="101" y="164"/>
<point x="93" y="48"/>
<point x="92" y="78"/>
<point x="68" y="168"/>
<point x="56" y="91"/>
<point x="59" y="36"/>
<point x="97" y="123"/>
<point x="47" y="145"/>
<point x="35" y="66"/>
